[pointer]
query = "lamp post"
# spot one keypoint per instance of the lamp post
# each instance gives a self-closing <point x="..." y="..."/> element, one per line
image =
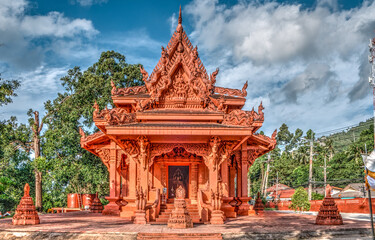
<point x="371" y="80"/>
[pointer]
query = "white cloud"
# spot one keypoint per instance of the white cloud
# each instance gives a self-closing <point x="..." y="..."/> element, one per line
<point x="308" y="66"/>
<point x="19" y="33"/>
<point x="88" y="3"/>
<point x="173" y="23"/>
<point x="37" y="87"/>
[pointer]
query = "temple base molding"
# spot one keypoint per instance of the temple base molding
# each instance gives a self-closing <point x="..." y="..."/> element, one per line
<point x="112" y="208"/>
<point x="217" y="217"/>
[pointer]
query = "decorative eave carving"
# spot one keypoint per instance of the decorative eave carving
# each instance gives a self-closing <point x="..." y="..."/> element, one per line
<point x="85" y="139"/>
<point x="104" y="155"/>
<point x="115" y="116"/>
<point x="239" y="117"/>
<point x="164" y="148"/>
<point x="271" y="141"/>
<point x="126" y="91"/>
<point x="232" y="92"/>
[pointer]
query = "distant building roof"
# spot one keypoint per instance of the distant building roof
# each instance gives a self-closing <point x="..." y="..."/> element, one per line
<point x="354" y="190"/>
<point x="280" y="186"/>
<point x="286" y="193"/>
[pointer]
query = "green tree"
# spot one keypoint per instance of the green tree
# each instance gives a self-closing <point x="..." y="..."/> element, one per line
<point x="15" y="167"/>
<point x="7" y="90"/>
<point x="69" y="168"/>
<point x="300" y="201"/>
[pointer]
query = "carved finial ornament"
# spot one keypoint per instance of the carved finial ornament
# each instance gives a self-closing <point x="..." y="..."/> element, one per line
<point x="179" y="17"/>
<point x="82" y="133"/>
<point x="26" y="190"/>
<point x="274" y="134"/>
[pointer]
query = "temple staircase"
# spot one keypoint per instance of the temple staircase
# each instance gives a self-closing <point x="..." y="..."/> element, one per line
<point x="190" y="236"/>
<point x="166" y="210"/>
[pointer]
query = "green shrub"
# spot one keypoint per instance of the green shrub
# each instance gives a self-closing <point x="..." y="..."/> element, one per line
<point x="300" y="200"/>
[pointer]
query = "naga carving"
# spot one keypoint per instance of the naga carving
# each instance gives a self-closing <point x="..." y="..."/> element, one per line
<point x="232" y="92"/>
<point x="114" y="116"/>
<point x="158" y="149"/>
<point x="220" y="151"/>
<point x="104" y="155"/>
<point x="141" y="199"/>
<point x="217" y="198"/>
<point x="239" y="118"/>
<point x="143" y="144"/>
<point x="126" y="91"/>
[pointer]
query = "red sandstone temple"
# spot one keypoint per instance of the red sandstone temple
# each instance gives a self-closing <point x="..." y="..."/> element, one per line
<point x="179" y="129"/>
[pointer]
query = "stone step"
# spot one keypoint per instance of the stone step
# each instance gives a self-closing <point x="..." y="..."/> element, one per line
<point x="167" y="217"/>
<point x="191" y="215"/>
<point x="165" y="221"/>
<point x="192" y="236"/>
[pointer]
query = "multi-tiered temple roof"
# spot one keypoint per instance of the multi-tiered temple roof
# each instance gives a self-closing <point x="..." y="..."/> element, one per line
<point x="178" y="124"/>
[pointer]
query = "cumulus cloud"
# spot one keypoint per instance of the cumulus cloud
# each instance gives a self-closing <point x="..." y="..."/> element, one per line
<point x="308" y="66"/>
<point x="25" y="39"/>
<point x="37" y="86"/>
<point x="88" y="3"/>
<point x="315" y="77"/>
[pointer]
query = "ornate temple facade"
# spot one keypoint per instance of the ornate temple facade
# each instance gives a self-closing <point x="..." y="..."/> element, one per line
<point x="178" y="129"/>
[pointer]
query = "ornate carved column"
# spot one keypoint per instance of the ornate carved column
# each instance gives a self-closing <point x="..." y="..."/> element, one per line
<point x="112" y="208"/>
<point x="239" y="184"/>
<point x="194" y="182"/>
<point x="232" y="176"/>
<point x="244" y="170"/>
<point x="117" y="174"/>
<point x="225" y="177"/>
<point x="245" y="207"/>
<point x="163" y="174"/>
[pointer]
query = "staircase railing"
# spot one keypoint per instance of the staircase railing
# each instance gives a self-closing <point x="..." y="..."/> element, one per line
<point x="154" y="208"/>
<point x="203" y="208"/>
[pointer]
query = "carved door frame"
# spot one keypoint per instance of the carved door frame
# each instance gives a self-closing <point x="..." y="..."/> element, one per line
<point x="167" y="176"/>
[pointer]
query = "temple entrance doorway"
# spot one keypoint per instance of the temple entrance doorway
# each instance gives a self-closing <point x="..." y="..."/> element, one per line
<point x="178" y="175"/>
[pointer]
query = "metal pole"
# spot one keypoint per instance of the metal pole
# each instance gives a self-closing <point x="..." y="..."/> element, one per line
<point x="267" y="173"/>
<point x="277" y="184"/>
<point x="371" y="79"/>
<point x="370" y="206"/>
<point x="325" y="176"/>
<point x="310" y="169"/>
<point x="370" y="203"/>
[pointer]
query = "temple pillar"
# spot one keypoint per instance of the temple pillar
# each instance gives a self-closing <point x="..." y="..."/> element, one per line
<point x="245" y="207"/>
<point x="232" y="176"/>
<point x="244" y="170"/>
<point x="194" y="183"/>
<point x="163" y="170"/>
<point x="132" y="179"/>
<point x="117" y="175"/>
<point x="112" y="208"/>
<point x="238" y="171"/>
<point x="225" y="177"/>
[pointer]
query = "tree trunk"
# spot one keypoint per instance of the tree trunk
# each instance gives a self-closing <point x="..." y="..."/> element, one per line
<point x="38" y="175"/>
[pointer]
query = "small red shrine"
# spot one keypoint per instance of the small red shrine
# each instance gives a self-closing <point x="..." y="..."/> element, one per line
<point x="179" y="129"/>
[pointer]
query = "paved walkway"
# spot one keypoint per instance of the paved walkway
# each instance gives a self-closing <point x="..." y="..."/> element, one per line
<point x="350" y="216"/>
<point x="276" y="223"/>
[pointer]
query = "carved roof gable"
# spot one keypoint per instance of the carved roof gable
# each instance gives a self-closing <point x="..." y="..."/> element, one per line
<point x="179" y="79"/>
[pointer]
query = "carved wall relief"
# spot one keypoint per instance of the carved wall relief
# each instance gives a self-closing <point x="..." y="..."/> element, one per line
<point x="104" y="155"/>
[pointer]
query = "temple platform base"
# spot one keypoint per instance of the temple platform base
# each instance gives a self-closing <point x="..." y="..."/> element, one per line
<point x="112" y="208"/>
<point x="140" y="217"/>
<point x="217" y="217"/>
<point x="180" y="217"/>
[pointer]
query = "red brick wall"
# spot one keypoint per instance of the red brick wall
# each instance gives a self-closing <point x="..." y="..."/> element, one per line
<point x="357" y="205"/>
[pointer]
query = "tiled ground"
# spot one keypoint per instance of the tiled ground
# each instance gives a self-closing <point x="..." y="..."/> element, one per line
<point x="84" y="222"/>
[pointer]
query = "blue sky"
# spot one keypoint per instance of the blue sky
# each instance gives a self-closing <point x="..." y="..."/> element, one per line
<point x="306" y="60"/>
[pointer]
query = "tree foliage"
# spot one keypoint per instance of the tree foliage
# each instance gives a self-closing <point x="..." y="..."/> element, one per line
<point x="300" y="200"/>
<point x="7" y="90"/>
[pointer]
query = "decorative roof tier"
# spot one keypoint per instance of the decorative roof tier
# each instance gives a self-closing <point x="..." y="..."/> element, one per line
<point x="179" y="80"/>
<point x="179" y="101"/>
